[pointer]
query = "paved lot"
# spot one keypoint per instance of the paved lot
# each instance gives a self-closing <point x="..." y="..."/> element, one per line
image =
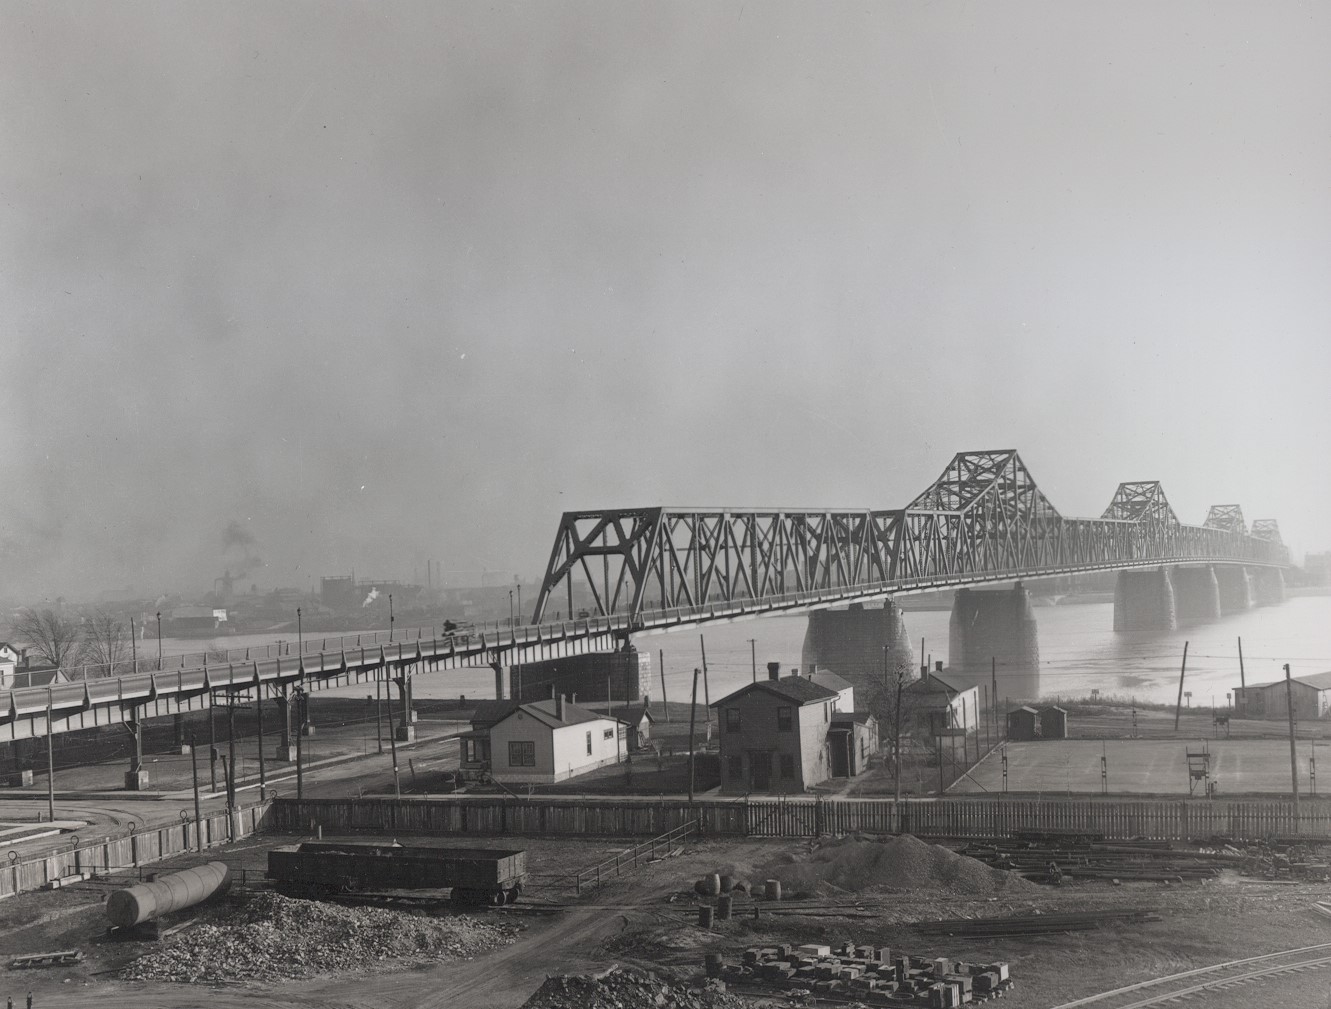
<point x="1147" y="766"/>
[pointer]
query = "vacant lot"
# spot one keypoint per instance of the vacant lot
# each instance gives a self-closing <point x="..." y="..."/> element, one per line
<point x="1147" y="767"/>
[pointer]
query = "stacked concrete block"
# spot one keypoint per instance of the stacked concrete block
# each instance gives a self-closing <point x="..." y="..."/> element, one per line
<point x="874" y="975"/>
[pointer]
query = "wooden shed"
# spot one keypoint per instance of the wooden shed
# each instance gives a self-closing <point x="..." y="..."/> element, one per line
<point x="1053" y="722"/>
<point x="1023" y="724"/>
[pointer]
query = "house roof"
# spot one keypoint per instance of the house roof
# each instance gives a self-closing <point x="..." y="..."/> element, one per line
<point x="489" y="712"/>
<point x="1025" y="707"/>
<point x="544" y="712"/>
<point x="797" y="689"/>
<point x="929" y="683"/>
<point x="1317" y="681"/>
<point x="628" y="713"/>
<point x="1053" y="707"/>
<point x="829" y="679"/>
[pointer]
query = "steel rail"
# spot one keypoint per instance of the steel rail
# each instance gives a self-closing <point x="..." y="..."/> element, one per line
<point x="1171" y="979"/>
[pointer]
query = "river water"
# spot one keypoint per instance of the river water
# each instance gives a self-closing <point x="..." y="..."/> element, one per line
<point x="1079" y="652"/>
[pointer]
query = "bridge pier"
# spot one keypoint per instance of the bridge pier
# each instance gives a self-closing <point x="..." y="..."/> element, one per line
<point x="406" y="728"/>
<point x="136" y="778"/>
<point x="1268" y="586"/>
<point x="994" y="627"/>
<point x="1196" y="595"/>
<point x="589" y="676"/>
<point x="866" y="647"/>
<point x="1235" y="588"/>
<point x="1144" y="601"/>
<point x="286" y="743"/>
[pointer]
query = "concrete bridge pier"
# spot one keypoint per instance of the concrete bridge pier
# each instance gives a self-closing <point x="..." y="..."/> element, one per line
<point x="993" y="630"/>
<point x="1235" y="588"/>
<point x="1144" y="601"/>
<point x="866" y="647"/>
<point x="286" y="743"/>
<point x="1196" y="595"/>
<point x="406" y="728"/>
<point x="136" y="778"/>
<point x="1268" y="586"/>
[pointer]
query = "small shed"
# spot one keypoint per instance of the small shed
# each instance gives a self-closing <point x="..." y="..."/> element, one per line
<point x="1023" y="724"/>
<point x="1053" y="722"/>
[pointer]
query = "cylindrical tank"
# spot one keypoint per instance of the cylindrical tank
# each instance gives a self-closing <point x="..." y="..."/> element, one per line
<point x="705" y="916"/>
<point x="726" y="882"/>
<point x="723" y="907"/>
<point x="773" y="889"/>
<point x="712" y="964"/>
<point x="711" y="884"/>
<point x="170" y="892"/>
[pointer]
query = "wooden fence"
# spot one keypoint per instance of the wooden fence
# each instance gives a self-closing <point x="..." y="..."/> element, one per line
<point x="799" y="817"/>
<point x="115" y="854"/>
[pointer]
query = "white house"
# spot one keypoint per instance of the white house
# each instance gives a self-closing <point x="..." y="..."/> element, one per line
<point x="541" y="742"/>
<point x="10" y="660"/>
<point x="845" y="699"/>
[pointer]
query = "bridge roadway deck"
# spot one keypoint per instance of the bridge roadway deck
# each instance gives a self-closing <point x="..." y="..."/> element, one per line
<point x="81" y="702"/>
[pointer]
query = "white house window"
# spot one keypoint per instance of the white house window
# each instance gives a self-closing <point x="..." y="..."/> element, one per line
<point x="589" y="743"/>
<point x="608" y="734"/>
<point x="785" y="718"/>
<point x="732" y="719"/>
<point x="522" y="753"/>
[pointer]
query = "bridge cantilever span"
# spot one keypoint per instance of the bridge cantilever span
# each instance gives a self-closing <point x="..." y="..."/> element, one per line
<point x="983" y="520"/>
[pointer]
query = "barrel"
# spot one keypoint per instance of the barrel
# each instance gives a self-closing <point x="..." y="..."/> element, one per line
<point x="170" y="892"/>
<point x="712" y="964"/>
<point x="705" y="916"/>
<point x="711" y="884"/>
<point x="727" y="883"/>
<point x="772" y="889"/>
<point x="723" y="907"/>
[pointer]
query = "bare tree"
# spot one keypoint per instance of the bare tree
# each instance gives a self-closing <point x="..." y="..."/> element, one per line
<point x="106" y="643"/>
<point x="53" y="638"/>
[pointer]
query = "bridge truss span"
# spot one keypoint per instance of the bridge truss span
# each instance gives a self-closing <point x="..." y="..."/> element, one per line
<point x="984" y="519"/>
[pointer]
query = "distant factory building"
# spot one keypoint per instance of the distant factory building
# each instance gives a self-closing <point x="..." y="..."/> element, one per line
<point x="1270" y="700"/>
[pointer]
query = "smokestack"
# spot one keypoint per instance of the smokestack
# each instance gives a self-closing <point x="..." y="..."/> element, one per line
<point x="559" y="706"/>
<point x="774" y="670"/>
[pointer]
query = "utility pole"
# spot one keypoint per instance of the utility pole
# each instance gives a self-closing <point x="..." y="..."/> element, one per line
<point x="1293" y="758"/>
<point x="263" y="771"/>
<point x="159" y="641"/>
<point x="993" y="677"/>
<point x="379" y="710"/>
<point x="660" y="655"/>
<point x="706" y="693"/>
<point x="50" y="756"/>
<point x="231" y="748"/>
<point x="194" y="773"/>
<point x="693" y="716"/>
<point x="900" y="680"/>
<point x="298" y="695"/>
<point x="133" y="648"/>
<point x="392" y="743"/>
<point x="753" y="655"/>
<point x="1178" y="705"/>
<point x="1243" y="682"/>
<point x="212" y="739"/>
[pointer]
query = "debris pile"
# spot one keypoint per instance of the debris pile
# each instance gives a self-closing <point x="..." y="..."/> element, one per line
<point x="619" y="989"/>
<point x="273" y="938"/>
<point x="1051" y="858"/>
<point x="873" y="975"/>
<point x="895" y="863"/>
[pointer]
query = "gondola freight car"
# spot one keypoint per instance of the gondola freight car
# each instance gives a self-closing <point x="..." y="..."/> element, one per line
<point x="475" y="875"/>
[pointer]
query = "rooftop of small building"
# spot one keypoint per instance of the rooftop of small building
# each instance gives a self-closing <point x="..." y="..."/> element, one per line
<point x="797" y="689"/>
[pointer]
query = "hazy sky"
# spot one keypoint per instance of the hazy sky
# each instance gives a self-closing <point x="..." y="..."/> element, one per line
<point x="357" y="284"/>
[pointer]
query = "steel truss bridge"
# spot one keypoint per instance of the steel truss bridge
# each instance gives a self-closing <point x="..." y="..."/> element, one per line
<point x="651" y="569"/>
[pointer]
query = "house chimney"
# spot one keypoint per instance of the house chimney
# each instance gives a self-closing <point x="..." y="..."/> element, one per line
<point x="774" y="670"/>
<point x="938" y="667"/>
<point x="559" y="706"/>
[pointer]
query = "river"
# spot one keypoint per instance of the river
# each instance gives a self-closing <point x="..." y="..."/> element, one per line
<point x="1079" y="652"/>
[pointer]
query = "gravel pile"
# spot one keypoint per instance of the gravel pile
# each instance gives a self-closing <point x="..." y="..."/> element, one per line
<point x="895" y="863"/>
<point x="272" y="938"/>
<point x="621" y="989"/>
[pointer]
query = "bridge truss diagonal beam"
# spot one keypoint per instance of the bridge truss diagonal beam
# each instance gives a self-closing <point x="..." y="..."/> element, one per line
<point x="984" y="517"/>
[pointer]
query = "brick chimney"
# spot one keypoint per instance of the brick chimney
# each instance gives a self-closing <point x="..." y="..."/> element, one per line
<point x="774" y="670"/>
<point x="559" y="706"/>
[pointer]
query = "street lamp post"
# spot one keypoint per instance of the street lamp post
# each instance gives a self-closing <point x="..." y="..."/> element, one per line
<point x="520" y="600"/>
<point x="159" y="641"/>
<point x="390" y="616"/>
<point x="510" y="608"/>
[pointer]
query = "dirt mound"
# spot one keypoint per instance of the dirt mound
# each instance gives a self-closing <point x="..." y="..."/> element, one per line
<point x="273" y="938"/>
<point x="619" y="989"/>
<point x="895" y="863"/>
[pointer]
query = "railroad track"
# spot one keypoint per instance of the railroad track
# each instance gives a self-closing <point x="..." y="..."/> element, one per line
<point x="1162" y="990"/>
